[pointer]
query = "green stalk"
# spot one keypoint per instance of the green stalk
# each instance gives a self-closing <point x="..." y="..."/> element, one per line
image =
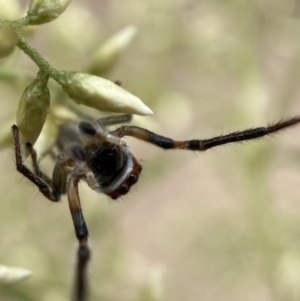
<point x="38" y="59"/>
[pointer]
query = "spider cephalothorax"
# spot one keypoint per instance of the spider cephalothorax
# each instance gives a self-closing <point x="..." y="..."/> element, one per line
<point x="105" y="159"/>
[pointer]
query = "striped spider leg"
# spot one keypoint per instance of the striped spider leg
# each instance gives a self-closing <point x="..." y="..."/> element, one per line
<point x="202" y="145"/>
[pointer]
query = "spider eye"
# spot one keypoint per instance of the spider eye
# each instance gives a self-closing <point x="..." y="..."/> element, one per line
<point x="132" y="179"/>
<point x="140" y="168"/>
<point x="87" y="128"/>
<point x="123" y="189"/>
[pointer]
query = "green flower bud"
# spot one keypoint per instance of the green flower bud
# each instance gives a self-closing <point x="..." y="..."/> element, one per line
<point x="44" y="11"/>
<point x="8" y="40"/>
<point x="108" y="54"/>
<point x="101" y="94"/>
<point x="33" y="109"/>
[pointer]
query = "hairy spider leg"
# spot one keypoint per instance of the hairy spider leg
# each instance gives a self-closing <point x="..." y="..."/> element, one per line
<point x="35" y="165"/>
<point x="59" y="177"/>
<point x="202" y="145"/>
<point x="35" y="179"/>
<point x="59" y="174"/>
<point x="83" y="255"/>
<point x="112" y="120"/>
<point x="58" y="182"/>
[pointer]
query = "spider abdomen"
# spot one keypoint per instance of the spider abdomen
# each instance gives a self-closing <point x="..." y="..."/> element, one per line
<point x="114" y="168"/>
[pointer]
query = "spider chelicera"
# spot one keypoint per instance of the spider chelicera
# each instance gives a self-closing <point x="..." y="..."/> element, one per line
<point x="90" y="152"/>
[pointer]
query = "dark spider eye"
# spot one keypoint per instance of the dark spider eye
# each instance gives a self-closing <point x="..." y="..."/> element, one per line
<point x="132" y="179"/>
<point x="87" y="128"/>
<point x="123" y="189"/>
<point x="140" y="168"/>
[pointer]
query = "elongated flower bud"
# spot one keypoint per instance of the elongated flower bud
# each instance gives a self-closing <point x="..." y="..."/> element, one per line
<point x="10" y="275"/>
<point x="101" y="94"/>
<point x="44" y="11"/>
<point x="8" y="40"/>
<point x="108" y="54"/>
<point x="33" y="109"/>
<point x="47" y="137"/>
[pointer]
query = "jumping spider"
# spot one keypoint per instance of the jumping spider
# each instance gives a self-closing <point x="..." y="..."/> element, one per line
<point x="90" y="152"/>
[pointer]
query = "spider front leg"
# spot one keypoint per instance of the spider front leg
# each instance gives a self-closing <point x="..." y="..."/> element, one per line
<point x="37" y="177"/>
<point x="202" y="145"/>
<point x="83" y="253"/>
<point x="58" y="182"/>
<point x="35" y="164"/>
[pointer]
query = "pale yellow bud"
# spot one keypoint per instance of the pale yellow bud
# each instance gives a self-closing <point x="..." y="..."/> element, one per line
<point x="108" y="54"/>
<point x="47" y="137"/>
<point x="8" y="40"/>
<point x="154" y="288"/>
<point x="44" y="11"/>
<point x="33" y="109"/>
<point x="101" y="94"/>
<point x="63" y="114"/>
<point x="9" y="275"/>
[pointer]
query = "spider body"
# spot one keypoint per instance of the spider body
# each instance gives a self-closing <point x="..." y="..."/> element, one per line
<point x="109" y="166"/>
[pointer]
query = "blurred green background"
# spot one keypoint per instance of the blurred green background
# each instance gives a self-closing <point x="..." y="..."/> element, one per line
<point x="215" y="226"/>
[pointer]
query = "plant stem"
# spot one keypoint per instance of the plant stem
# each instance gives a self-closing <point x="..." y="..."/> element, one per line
<point x="38" y="59"/>
<point x="16" y="24"/>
